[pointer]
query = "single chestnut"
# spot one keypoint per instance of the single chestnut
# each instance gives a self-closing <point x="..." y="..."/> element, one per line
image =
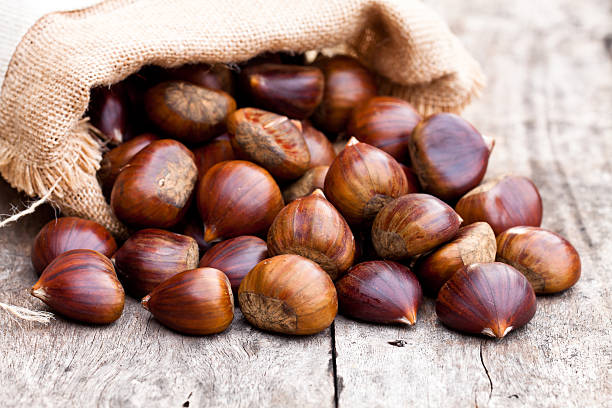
<point x="236" y="257"/>
<point x="490" y="299"/>
<point x="347" y="84"/>
<point x="321" y="150"/>
<point x="505" y="202"/>
<point x="188" y="112"/>
<point x="198" y="301"/>
<point x="217" y="76"/>
<point x="474" y="243"/>
<point x="108" y="112"/>
<point x="380" y="292"/>
<point x="311" y="227"/>
<point x="67" y="233"/>
<point x="385" y="122"/>
<point x="81" y="285"/>
<point x="217" y="150"/>
<point x="270" y="140"/>
<point x="449" y="155"/>
<point x="237" y="198"/>
<point x="291" y="90"/>
<point x="154" y="188"/>
<point x="412" y="225"/>
<point x="150" y="256"/>
<point x="548" y="261"/>
<point x="313" y="179"/>
<point x="114" y="160"/>
<point x="288" y="294"/>
<point x="361" y="180"/>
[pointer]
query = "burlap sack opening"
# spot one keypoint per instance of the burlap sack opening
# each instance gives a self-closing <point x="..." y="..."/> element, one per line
<point x="46" y="147"/>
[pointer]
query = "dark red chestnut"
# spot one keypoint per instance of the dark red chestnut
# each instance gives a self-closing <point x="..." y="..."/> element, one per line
<point x="217" y="150"/>
<point x="188" y="112"/>
<point x="548" y="261"/>
<point x="505" y="202"/>
<point x="67" y="233"/>
<point x="313" y="179"/>
<point x="490" y="299"/>
<point x="449" y="155"/>
<point x="380" y="292"/>
<point x="155" y="187"/>
<point x="321" y="150"/>
<point x="385" y="122"/>
<point x="236" y="257"/>
<point x="347" y="84"/>
<point x="108" y="112"/>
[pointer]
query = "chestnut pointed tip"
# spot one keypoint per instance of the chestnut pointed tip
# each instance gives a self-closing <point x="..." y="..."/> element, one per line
<point x="409" y="319"/>
<point x="145" y="302"/>
<point x="210" y="235"/>
<point x="352" y="141"/>
<point x="318" y="193"/>
<point x="489" y="142"/>
<point x="38" y="292"/>
<point x="498" y="332"/>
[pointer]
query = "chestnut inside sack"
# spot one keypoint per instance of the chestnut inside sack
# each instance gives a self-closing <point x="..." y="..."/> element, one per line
<point x="46" y="148"/>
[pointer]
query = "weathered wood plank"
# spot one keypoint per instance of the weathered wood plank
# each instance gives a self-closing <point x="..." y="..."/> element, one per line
<point x="548" y="104"/>
<point x="135" y="361"/>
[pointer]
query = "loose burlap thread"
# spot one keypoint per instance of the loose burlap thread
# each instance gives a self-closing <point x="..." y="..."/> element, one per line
<point x="46" y="149"/>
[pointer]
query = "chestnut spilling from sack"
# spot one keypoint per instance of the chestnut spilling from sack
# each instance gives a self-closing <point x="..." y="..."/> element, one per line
<point x="294" y="192"/>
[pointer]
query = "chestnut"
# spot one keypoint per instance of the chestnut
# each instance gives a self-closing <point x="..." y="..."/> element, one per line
<point x="288" y="294"/>
<point x="114" y="160"/>
<point x="150" y="256"/>
<point x="548" y="261"/>
<point x="67" y="233"/>
<point x="217" y="150"/>
<point x="108" y="112"/>
<point x="385" y="122"/>
<point x="380" y="292"/>
<point x="236" y="257"/>
<point x="188" y="112"/>
<point x="311" y="227"/>
<point x="505" y="202"/>
<point x="154" y="188"/>
<point x="347" y="84"/>
<point x="270" y="140"/>
<point x="490" y="299"/>
<point x="474" y="243"/>
<point x="237" y="198"/>
<point x="198" y="301"/>
<point x="321" y="150"/>
<point x="361" y="180"/>
<point x="291" y="90"/>
<point x="217" y="77"/>
<point x="311" y="180"/>
<point x="81" y="285"/>
<point x="412" y="225"/>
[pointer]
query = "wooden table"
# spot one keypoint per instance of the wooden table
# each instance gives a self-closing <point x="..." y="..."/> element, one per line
<point x="549" y="105"/>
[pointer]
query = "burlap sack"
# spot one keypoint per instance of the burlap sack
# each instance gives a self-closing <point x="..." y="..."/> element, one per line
<point x="45" y="147"/>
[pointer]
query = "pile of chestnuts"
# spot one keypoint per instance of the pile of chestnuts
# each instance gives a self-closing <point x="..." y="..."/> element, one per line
<point x="292" y="190"/>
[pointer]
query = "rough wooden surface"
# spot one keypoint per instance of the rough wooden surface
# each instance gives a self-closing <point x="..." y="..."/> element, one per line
<point x="549" y="105"/>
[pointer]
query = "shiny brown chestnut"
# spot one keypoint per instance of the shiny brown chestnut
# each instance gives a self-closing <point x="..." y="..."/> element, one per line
<point x="81" y="285"/>
<point x="217" y="150"/>
<point x="150" y="256"/>
<point x="154" y="188"/>
<point x="412" y="225"/>
<point x="313" y="179"/>
<point x="270" y="140"/>
<point x="474" y="243"/>
<point x="380" y="292"/>
<point x="108" y="112"/>
<point x="311" y="227"/>
<point x="68" y="233"/>
<point x="188" y="112"/>
<point x="288" y="294"/>
<point x="198" y="301"/>
<point x="114" y="160"/>
<point x="217" y="77"/>
<point x="321" y="150"/>
<point x="505" y="202"/>
<point x="548" y="261"/>
<point x="385" y="122"/>
<point x="236" y="257"/>
<point x="490" y="299"/>
<point x="347" y="84"/>
<point x="291" y="90"/>
<point x="449" y="155"/>
<point x="237" y="198"/>
<point x="361" y="180"/>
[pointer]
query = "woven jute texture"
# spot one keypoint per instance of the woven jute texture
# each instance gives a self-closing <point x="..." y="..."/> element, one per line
<point x="45" y="144"/>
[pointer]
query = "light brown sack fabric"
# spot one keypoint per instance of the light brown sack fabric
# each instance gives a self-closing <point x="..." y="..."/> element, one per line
<point x="45" y="147"/>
